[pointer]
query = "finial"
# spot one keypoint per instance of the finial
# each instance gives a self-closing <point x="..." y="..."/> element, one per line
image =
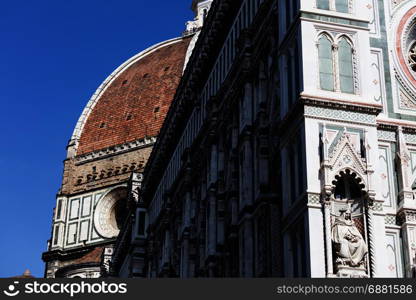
<point x="200" y="8"/>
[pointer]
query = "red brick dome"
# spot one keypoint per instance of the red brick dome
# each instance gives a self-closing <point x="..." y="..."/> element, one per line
<point x="132" y="103"/>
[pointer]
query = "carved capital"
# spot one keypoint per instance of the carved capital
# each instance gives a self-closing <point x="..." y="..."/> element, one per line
<point x="406" y="216"/>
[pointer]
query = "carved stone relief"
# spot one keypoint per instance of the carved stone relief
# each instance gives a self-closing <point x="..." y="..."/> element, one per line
<point x="397" y="2"/>
<point x="348" y="221"/>
<point x="406" y="101"/>
<point x="348" y="239"/>
<point x="110" y="211"/>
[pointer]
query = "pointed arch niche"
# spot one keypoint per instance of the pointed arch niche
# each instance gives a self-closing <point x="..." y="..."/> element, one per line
<point x="348" y="185"/>
<point x="346" y="221"/>
<point x="347" y="205"/>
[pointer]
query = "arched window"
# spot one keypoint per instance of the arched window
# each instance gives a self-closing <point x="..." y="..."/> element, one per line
<point x="326" y="66"/>
<point x="346" y="76"/>
<point x="342" y="6"/>
<point x="323" y="4"/>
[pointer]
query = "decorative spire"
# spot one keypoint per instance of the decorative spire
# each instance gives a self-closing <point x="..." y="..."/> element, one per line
<point x="404" y="170"/>
<point x="403" y="150"/>
<point x="201" y="9"/>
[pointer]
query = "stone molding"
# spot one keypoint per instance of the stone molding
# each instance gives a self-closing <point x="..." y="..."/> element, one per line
<point x="115" y="150"/>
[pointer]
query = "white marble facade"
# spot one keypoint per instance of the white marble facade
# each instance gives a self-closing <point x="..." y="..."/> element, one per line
<point x="360" y="148"/>
<point x="346" y="159"/>
<point x="350" y="152"/>
<point x="83" y="219"/>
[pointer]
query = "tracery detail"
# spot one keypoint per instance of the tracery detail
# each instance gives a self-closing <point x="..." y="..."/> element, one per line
<point x="412" y="57"/>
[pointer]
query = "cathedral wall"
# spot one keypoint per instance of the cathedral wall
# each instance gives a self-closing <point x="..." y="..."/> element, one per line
<point x="76" y="228"/>
<point x="313" y="29"/>
<point x="80" y="176"/>
<point x="316" y="242"/>
<point x="341" y="163"/>
<point x="220" y="215"/>
<point x="84" y="216"/>
<point x="357" y="9"/>
<point x="288" y="156"/>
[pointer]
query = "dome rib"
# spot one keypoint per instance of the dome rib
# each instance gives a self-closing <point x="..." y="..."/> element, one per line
<point x="157" y="88"/>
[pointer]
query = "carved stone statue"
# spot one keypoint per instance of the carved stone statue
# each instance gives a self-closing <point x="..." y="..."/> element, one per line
<point x="349" y="244"/>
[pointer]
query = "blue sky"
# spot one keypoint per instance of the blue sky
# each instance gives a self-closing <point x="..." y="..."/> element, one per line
<point x="53" y="55"/>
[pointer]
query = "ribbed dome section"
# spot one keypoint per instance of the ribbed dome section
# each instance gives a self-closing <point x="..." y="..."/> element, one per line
<point x="133" y="103"/>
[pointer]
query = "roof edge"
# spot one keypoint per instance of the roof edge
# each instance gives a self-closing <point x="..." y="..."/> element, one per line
<point x="74" y="141"/>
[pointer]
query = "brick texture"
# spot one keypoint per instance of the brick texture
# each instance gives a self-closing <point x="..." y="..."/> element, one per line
<point x="136" y="103"/>
<point x="102" y="172"/>
<point x="92" y="257"/>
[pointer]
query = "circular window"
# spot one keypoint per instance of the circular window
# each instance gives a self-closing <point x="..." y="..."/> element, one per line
<point x="118" y="213"/>
<point x="410" y="45"/>
<point x="111" y="212"/>
<point x="405" y="45"/>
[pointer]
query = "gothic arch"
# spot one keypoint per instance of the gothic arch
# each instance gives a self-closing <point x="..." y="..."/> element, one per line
<point x="326" y="61"/>
<point x="347" y="209"/>
<point x="325" y="33"/>
<point x="348" y="184"/>
<point x="341" y="36"/>
<point x="348" y="170"/>
<point x="348" y="63"/>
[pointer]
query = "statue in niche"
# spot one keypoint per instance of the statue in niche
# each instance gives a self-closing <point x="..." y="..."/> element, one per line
<point x="350" y="247"/>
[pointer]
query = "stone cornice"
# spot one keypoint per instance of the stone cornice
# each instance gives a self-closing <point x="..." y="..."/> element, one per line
<point x="72" y="253"/>
<point x="94" y="189"/>
<point x="115" y="150"/>
<point x="361" y="107"/>
<point x="335" y="18"/>
<point x="60" y="273"/>
<point x="393" y="124"/>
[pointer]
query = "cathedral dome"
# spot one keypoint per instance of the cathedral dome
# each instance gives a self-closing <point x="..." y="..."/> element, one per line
<point x="132" y="102"/>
